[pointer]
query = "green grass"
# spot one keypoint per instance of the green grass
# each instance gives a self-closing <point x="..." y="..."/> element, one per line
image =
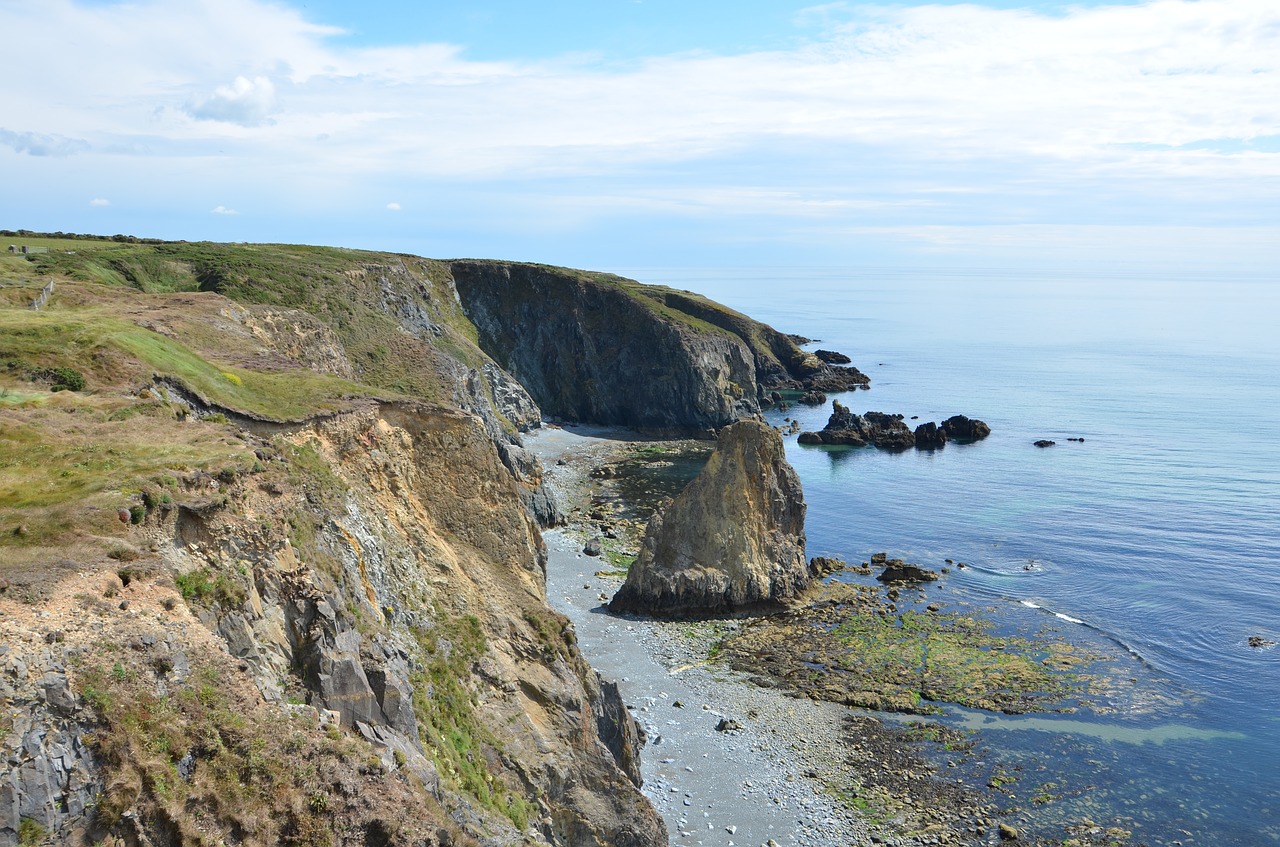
<point x="449" y="728"/>
<point x="253" y="767"/>
<point x="43" y="466"/>
<point x="204" y="586"/>
<point x="82" y="338"/>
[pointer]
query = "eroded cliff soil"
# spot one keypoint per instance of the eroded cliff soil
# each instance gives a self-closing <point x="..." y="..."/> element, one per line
<point x="272" y="571"/>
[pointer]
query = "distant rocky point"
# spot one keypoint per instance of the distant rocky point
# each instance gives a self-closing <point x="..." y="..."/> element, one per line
<point x="599" y="348"/>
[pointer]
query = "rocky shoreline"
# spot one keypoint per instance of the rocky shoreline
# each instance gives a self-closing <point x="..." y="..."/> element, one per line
<point x="728" y="761"/>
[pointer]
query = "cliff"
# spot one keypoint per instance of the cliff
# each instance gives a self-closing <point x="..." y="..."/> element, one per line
<point x="603" y="349"/>
<point x="271" y="570"/>
<point x="733" y="539"/>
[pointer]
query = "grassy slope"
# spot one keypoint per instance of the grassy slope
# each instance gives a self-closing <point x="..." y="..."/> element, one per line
<point x="69" y="460"/>
<point x="125" y="312"/>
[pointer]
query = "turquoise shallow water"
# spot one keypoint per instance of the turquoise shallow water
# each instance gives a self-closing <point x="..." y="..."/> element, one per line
<point x="1157" y="539"/>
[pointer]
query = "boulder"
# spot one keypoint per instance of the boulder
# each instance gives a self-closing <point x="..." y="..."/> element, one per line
<point x="930" y="436"/>
<point x="733" y="539"/>
<point x="1044" y="442"/>
<point x="813" y="398"/>
<point x="896" y="570"/>
<point x="825" y="565"/>
<point x="831" y="357"/>
<point x="963" y="430"/>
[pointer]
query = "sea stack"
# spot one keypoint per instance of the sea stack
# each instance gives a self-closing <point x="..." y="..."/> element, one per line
<point x="733" y="539"/>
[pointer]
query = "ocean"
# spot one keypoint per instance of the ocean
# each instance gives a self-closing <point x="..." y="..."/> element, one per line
<point x="1155" y="541"/>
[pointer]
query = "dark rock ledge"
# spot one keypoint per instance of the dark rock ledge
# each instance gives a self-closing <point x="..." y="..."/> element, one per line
<point x="890" y="432"/>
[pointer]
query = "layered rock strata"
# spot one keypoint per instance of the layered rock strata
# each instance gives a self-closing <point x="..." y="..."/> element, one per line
<point x="733" y="539"/>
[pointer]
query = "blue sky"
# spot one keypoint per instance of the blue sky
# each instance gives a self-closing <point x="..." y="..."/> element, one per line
<point x="619" y="133"/>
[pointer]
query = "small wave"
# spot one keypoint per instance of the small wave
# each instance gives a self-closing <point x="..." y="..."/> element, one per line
<point x="1030" y="604"/>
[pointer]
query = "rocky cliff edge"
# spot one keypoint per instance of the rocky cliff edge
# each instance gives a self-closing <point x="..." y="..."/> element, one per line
<point x="270" y="573"/>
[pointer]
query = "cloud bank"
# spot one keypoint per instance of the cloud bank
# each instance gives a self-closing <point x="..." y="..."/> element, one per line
<point x="1148" y="111"/>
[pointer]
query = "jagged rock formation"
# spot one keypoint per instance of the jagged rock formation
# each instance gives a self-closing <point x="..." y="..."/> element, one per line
<point x="890" y="432"/>
<point x="603" y="349"/>
<point x="733" y="539"/>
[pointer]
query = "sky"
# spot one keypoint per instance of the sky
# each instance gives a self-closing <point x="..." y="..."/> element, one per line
<point x="657" y="133"/>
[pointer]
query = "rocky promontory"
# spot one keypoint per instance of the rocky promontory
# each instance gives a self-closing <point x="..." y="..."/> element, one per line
<point x="733" y="539"/>
<point x="598" y="348"/>
<point x="890" y="432"/>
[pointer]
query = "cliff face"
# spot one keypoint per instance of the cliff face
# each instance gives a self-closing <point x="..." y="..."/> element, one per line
<point x="257" y="587"/>
<point x="602" y="349"/>
<point x="407" y="614"/>
<point x="589" y="352"/>
<point x="732" y="539"/>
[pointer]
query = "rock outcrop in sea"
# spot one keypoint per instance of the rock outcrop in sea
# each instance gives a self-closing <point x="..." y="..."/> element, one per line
<point x="733" y="539"/>
<point x="890" y="432"/>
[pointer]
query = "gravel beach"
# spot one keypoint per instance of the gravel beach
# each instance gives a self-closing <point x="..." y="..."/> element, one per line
<point x="771" y="778"/>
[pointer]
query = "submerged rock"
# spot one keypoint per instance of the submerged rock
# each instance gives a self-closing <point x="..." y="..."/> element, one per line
<point x="732" y="539"/>
<point x="896" y="570"/>
<point x="1044" y="442"/>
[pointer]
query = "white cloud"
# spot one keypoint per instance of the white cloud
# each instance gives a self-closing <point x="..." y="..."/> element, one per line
<point x="247" y="102"/>
<point x="99" y="201"/>
<point x="395" y="207"/>
<point x="42" y="144"/>
<point x="222" y="210"/>
<point x="1156" y="99"/>
<point x="952" y="81"/>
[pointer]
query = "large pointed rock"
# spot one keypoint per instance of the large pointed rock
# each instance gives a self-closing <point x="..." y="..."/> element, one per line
<point x="731" y="540"/>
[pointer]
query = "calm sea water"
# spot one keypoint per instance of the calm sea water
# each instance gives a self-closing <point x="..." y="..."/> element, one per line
<point x="1157" y="539"/>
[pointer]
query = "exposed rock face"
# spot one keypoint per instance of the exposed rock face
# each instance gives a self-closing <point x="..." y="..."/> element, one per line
<point x="419" y="539"/>
<point x="602" y="349"/>
<point x="731" y="540"/>
<point x="890" y="432"/>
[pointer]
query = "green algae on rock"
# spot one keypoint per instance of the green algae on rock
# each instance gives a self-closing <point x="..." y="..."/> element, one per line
<point x="851" y="647"/>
